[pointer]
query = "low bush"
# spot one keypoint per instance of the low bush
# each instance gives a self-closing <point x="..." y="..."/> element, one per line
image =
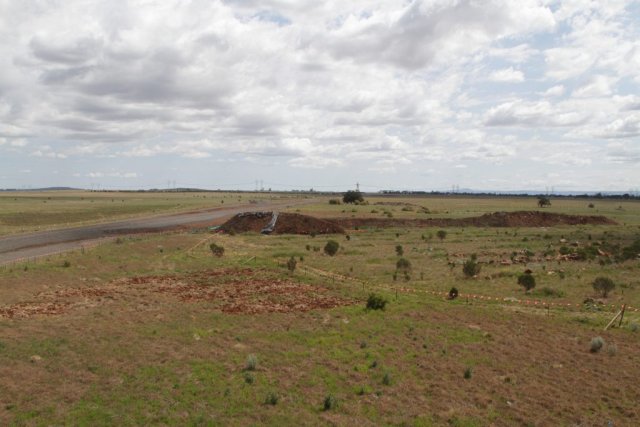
<point x="403" y="264"/>
<point x="216" y="250"/>
<point x="551" y="292"/>
<point x="470" y="267"/>
<point x="271" y="399"/>
<point x="329" y="403"/>
<point x="467" y="373"/>
<point x="596" y="344"/>
<point x="252" y="363"/>
<point x="376" y="302"/>
<point x="331" y="248"/>
<point x="249" y="378"/>
<point x="527" y="281"/>
<point x="291" y="264"/>
<point x="386" y="379"/>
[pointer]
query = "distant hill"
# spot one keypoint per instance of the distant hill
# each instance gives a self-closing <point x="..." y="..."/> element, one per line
<point x="40" y="189"/>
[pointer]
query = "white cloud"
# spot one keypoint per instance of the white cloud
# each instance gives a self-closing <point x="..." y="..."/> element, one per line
<point x="598" y="86"/>
<point x="557" y="90"/>
<point x="507" y="75"/>
<point x="126" y="175"/>
<point x="305" y="86"/>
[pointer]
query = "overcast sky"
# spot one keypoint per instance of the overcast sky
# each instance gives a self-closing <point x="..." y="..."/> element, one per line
<point x="424" y="95"/>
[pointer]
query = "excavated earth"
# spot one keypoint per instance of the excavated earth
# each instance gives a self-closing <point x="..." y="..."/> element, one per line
<point x="496" y="219"/>
<point x="288" y="223"/>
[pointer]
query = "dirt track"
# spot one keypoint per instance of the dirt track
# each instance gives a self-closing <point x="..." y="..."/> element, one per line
<point x="22" y="246"/>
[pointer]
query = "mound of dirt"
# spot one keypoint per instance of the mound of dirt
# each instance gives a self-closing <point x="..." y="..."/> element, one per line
<point x="496" y="219"/>
<point x="287" y="223"/>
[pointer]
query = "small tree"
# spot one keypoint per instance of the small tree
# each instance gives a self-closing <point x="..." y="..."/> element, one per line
<point x="352" y="196"/>
<point x="441" y="234"/>
<point x="470" y="267"/>
<point x="291" y="264"/>
<point x="603" y="285"/>
<point x="216" y="250"/>
<point x="331" y="248"/>
<point x="399" y="250"/>
<point x="543" y="201"/>
<point x="527" y="281"/>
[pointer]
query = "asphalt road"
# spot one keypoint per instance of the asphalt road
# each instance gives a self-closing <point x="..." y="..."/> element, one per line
<point x="24" y="246"/>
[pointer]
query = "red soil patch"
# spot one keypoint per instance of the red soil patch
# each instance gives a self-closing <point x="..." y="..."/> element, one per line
<point x="245" y="291"/>
<point x="287" y="223"/>
<point x="496" y="219"/>
<point x="28" y="309"/>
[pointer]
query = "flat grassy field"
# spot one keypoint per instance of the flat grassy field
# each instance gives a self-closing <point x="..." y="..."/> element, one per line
<point x="27" y="211"/>
<point x="156" y="330"/>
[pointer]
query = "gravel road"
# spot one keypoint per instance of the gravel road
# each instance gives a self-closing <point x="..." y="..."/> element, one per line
<point x="23" y="246"/>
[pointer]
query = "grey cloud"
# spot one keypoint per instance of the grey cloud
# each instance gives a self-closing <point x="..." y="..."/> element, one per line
<point x="78" y="52"/>
<point x="424" y="32"/>
<point x="58" y="76"/>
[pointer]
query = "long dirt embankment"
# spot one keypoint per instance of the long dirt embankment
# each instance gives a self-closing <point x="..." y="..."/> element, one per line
<point x="496" y="219"/>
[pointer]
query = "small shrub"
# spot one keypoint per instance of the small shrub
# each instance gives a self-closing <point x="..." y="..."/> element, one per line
<point x="596" y="344"/>
<point x="329" y="403"/>
<point x="453" y="293"/>
<point x="291" y="264"/>
<point x="399" y="250"/>
<point x="216" y="250"/>
<point x="403" y="264"/>
<point x="612" y="349"/>
<point x="386" y="380"/>
<point x="471" y="268"/>
<point x="334" y="201"/>
<point x="527" y="281"/>
<point x="634" y="327"/>
<point x="66" y="264"/>
<point x="603" y="285"/>
<point x="441" y="234"/>
<point x="252" y="363"/>
<point x="271" y="399"/>
<point x="376" y="302"/>
<point x="467" y="373"/>
<point x="308" y="247"/>
<point x="249" y="378"/>
<point x="551" y="292"/>
<point x="331" y="248"/>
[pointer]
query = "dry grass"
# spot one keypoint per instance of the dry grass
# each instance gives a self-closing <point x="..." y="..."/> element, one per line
<point x="155" y="330"/>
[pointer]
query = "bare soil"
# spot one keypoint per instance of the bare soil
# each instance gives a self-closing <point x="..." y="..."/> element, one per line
<point x="288" y="223"/>
<point x="496" y="219"/>
<point x="237" y="291"/>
